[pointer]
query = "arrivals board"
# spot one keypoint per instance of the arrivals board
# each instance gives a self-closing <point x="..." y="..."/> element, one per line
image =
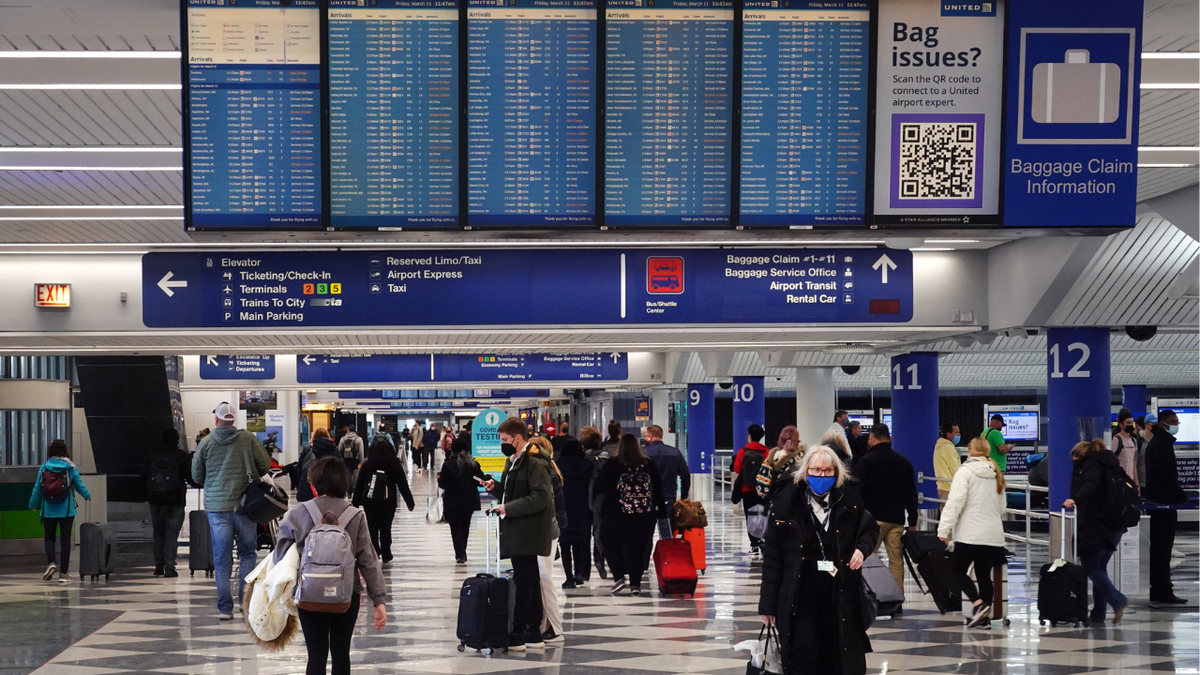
<point x="393" y="113"/>
<point x="804" y="112"/>
<point x="531" y="121"/>
<point x="253" y="151"/>
<point x="669" y="96"/>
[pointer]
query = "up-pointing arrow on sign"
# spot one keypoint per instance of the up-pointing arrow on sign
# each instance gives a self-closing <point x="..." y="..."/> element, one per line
<point x="884" y="264"/>
<point x="166" y="284"/>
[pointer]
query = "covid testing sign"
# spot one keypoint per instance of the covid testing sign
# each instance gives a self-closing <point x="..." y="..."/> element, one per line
<point x="938" y="93"/>
<point x="1072" y="113"/>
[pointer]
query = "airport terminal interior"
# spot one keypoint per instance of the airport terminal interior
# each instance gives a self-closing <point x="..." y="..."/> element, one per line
<point x="874" y="320"/>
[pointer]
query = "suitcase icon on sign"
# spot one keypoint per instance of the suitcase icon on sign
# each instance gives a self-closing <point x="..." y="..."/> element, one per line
<point x="1076" y="91"/>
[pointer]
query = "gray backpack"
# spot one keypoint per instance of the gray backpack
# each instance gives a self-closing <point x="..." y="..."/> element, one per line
<point x="327" y="565"/>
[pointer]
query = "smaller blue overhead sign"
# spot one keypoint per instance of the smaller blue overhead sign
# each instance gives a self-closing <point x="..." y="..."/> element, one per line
<point x="239" y="367"/>
<point x="601" y="366"/>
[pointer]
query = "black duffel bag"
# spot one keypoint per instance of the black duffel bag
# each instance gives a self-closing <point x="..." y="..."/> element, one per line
<point x="261" y="502"/>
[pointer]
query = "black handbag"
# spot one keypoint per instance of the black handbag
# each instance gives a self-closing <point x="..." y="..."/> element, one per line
<point x="261" y="501"/>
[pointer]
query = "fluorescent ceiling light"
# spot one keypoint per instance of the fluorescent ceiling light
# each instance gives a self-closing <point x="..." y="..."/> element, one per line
<point x="106" y="148"/>
<point x="1168" y="148"/>
<point x="1171" y="55"/>
<point x="1172" y="85"/>
<point x="91" y="168"/>
<point x="931" y="248"/>
<point x="97" y="54"/>
<point x="1166" y="166"/>
<point x="53" y="218"/>
<point x="56" y="207"/>
<point x="952" y="241"/>
<point x="117" y="87"/>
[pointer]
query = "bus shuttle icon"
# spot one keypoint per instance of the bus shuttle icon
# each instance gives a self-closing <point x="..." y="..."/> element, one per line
<point x="664" y="276"/>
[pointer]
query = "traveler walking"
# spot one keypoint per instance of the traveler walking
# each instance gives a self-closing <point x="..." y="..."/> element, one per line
<point x="56" y="479"/>
<point x="322" y="446"/>
<point x="418" y="446"/>
<point x="527" y="513"/>
<point x="780" y="462"/>
<point x="672" y="466"/>
<point x="1097" y="538"/>
<point x="609" y="447"/>
<point x="836" y="440"/>
<point x="746" y="464"/>
<point x="552" y="626"/>
<point x="945" y="458"/>
<point x="226" y="462"/>
<point x="889" y="489"/>
<point x="995" y="438"/>
<point x="563" y="435"/>
<point x="598" y="452"/>
<point x="459" y="480"/>
<point x="857" y="439"/>
<point x="166" y="475"/>
<point x="380" y="480"/>
<point x="819" y="536"/>
<point x="1127" y="444"/>
<point x="353" y="450"/>
<point x="973" y="517"/>
<point x="841" y="419"/>
<point x="633" y="500"/>
<point x="1162" y="486"/>
<point x="429" y="453"/>
<point x="327" y="634"/>
<point x="575" y="539"/>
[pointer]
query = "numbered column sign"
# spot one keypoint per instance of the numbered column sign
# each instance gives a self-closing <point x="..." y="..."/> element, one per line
<point x="915" y="412"/>
<point x="749" y="407"/>
<point x="701" y="428"/>
<point x="1078" y="384"/>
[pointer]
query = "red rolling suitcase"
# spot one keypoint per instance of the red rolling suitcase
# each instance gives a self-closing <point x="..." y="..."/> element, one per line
<point x="674" y="567"/>
<point x="695" y="537"/>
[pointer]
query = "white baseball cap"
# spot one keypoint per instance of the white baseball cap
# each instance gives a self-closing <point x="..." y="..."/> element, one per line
<point x="225" y="412"/>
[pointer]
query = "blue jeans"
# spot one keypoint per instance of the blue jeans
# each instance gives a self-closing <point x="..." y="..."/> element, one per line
<point x="225" y="526"/>
<point x="1104" y="593"/>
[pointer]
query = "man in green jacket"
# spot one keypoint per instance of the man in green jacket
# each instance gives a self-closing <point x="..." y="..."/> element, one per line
<point x="526" y="510"/>
<point x="226" y="461"/>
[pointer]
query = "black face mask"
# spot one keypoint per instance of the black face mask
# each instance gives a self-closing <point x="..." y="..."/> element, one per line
<point x="508" y="449"/>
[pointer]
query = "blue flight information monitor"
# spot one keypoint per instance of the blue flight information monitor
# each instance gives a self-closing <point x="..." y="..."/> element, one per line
<point x="531" y="121"/>
<point x="668" y="112"/>
<point x="804" y="112"/>
<point x="253" y="138"/>
<point x="393" y="113"/>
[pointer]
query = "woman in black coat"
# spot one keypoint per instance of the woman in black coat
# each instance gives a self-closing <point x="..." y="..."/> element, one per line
<point x="627" y="536"/>
<point x="460" y="496"/>
<point x="380" y="479"/>
<point x="1097" y="540"/>
<point x="575" y="540"/>
<point x="818" y="524"/>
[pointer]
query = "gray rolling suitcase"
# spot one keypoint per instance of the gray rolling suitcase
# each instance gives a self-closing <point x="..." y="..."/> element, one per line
<point x="95" y="551"/>
<point x="879" y="579"/>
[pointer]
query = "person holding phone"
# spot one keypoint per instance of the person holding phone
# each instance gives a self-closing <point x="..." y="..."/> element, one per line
<point x="459" y="480"/>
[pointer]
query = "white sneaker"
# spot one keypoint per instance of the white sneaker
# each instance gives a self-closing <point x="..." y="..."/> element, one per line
<point x="66" y="579"/>
<point x="50" y="572"/>
<point x="1176" y="553"/>
<point x="225" y="616"/>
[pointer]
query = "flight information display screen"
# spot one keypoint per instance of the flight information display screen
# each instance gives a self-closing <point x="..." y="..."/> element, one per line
<point x="804" y="112"/>
<point x="253" y="85"/>
<point x="393" y="113"/>
<point x="531" y="121"/>
<point x="668" y="106"/>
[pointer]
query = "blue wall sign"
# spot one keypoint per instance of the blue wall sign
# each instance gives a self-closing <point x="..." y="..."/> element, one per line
<point x="915" y="412"/>
<point x="237" y="367"/>
<point x="1072" y="112"/>
<point x="749" y="407"/>
<point x="609" y="287"/>
<point x="701" y="428"/>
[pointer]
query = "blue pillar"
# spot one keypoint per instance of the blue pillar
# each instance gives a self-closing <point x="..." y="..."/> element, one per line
<point x="1079" y="398"/>
<point x="915" y="412"/>
<point x="749" y="407"/>
<point x="1133" y="399"/>
<point x="701" y="427"/>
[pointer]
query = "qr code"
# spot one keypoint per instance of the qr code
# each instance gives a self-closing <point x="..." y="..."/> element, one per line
<point x="937" y="160"/>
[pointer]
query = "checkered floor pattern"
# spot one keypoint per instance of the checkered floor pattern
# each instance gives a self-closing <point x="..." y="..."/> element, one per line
<point x="137" y="623"/>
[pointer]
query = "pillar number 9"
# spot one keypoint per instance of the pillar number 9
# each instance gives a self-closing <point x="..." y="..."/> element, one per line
<point x="694" y="397"/>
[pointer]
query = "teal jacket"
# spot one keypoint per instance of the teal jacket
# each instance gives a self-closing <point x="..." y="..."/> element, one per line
<point x="65" y="508"/>
<point x="220" y="466"/>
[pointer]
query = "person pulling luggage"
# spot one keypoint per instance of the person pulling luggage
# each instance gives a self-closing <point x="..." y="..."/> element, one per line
<point x="1097" y="537"/>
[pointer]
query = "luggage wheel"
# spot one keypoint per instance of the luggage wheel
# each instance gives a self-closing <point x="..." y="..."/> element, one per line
<point x="1007" y="621"/>
<point x="462" y="647"/>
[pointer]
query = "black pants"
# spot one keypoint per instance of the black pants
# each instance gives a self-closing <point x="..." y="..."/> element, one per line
<point x="597" y="545"/>
<point x="1162" y="540"/>
<point x="419" y="456"/>
<point x="527" y="582"/>
<point x="626" y="543"/>
<point x="63" y="525"/>
<point x="577" y="559"/>
<point x="984" y="558"/>
<point x="326" y="634"/>
<point x="379" y="526"/>
<point x="815" y="641"/>
<point x="166" y="521"/>
<point x="460" y="529"/>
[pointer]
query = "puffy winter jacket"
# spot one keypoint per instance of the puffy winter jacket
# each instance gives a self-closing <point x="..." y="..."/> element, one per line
<point x="974" y="511"/>
<point x="220" y="466"/>
<point x="65" y="508"/>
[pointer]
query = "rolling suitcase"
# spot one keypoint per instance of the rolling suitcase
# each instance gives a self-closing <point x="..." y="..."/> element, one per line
<point x="200" y="551"/>
<point x="674" y="567"/>
<point x="935" y="572"/>
<point x="486" y="604"/>
<point x="695" y="537"/>
<point x="917" y="545"/>
<point x="1063" y="589"/>
<point x="879" y="579"/>
<point x="95" y="551"/>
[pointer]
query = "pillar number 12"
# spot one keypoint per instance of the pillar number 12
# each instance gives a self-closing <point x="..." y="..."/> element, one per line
<point x="1077" y="370"/>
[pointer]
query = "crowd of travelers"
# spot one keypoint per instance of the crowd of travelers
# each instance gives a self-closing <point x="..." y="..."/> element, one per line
<point x="815" y="514"/>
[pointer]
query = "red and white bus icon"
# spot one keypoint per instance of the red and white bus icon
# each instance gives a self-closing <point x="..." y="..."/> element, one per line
<point x="664" y="276"/>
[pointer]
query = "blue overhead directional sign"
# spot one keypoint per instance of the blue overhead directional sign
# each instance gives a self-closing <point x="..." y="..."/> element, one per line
<point x="318" y="369"/>
<point x="238" y="367"/>
<point x="608" y="366"/>
<point x="610" y="286"/>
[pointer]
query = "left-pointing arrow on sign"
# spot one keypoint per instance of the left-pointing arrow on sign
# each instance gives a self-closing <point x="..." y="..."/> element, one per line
<point x="307" y="360"/>
<point x="212" y="361"/>
<point x="166" y="284"/>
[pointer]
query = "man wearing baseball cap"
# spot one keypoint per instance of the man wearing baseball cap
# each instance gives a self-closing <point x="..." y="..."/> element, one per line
<point x="995" y="438"/>
<point x="226" y="461"/>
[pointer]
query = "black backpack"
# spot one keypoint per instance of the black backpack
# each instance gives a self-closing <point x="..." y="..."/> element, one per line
<point x="1120" y="507"/>
<point x="165" y="479"/>
<point x="377" y="488"/>
<point x="751" y="462"/>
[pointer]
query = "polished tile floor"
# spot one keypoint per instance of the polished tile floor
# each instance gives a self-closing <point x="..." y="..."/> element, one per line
<point x="136" y="623"/>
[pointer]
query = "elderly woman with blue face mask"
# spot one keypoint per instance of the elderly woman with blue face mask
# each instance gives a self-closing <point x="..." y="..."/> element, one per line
<point x="818" y="537"/>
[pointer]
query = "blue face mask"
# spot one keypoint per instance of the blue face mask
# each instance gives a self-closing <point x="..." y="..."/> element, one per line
<point x="821" y="484"/>
<point x="1173" y="430"/>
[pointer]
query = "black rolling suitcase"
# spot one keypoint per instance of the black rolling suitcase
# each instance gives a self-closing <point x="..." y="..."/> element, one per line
<point x="200" y="550"/>
<point x="95" y="551"/>
<point x="1063" y="589"/>
<point x="485" y="607"/>
<point x="933" y="572"/>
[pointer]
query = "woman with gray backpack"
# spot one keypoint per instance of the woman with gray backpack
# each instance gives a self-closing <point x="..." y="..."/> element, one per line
<point x="335" y="548"/>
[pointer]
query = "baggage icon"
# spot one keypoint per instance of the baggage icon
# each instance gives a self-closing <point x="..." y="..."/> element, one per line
<point x="1076" y="91"/>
